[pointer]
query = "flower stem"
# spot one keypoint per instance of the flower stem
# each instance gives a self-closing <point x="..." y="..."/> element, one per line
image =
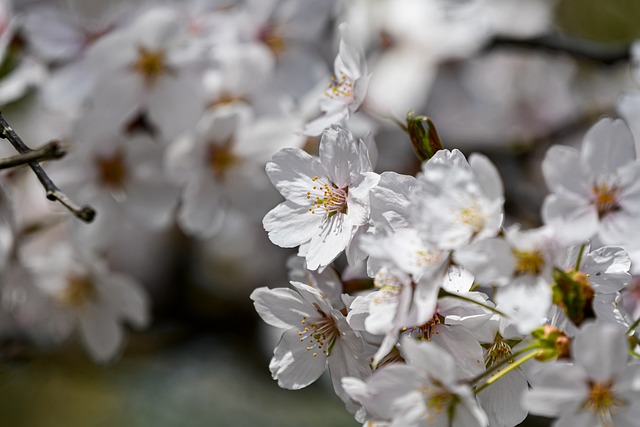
<point x="501" y="363"/>
<point x="631" y="328"/>
<point x="444" y="293"/>
<point x="508" y="369"/>
<point x="579" y="260"/>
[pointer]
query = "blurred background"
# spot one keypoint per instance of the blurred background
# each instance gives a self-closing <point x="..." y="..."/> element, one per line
<point x="170" y="111"/>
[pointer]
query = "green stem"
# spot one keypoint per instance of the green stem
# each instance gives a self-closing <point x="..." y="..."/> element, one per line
<point x="444" y="293"/>
<point x="508" y="369"/>
<point x="579" y="260"/>
<point x="634" y="354"/>
<point x="633" y="326"/>
<point x="502" y="363"/>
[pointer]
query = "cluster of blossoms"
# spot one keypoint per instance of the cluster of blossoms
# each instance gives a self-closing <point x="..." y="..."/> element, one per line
<point x="171" y="111"/>
<point x="427" y="302"/>
<point x="446" y="312"/>
<point x="457" y="300"/>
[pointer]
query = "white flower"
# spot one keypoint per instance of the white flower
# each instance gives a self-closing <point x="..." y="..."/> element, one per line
<point x="121" y="177"/>
<point x="423" y="392"/>
<point x="327" y="198"/>
<point x="316" y="335"/>
<point x="147" y="67"/>
<point x="596" y="191"/>
<point x="84" y="295"/>
<point x="221" y="165"/>
<point x="456" y="202"/>
<point x="599" y="389"/>
<point x="348" y="86"/>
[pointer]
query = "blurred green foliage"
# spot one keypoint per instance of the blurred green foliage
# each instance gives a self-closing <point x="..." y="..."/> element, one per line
<point x="601" y="20"/>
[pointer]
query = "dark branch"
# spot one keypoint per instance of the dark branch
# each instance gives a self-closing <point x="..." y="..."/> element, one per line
<point x="85" y="213"/>
<point x="605" y="53"/>
<point x="52" y="150"/>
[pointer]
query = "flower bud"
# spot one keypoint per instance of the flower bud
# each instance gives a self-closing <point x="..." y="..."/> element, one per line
<point x="572" y="292"/>
<point x="553" y="343"/>
<point x="424" y="137"/>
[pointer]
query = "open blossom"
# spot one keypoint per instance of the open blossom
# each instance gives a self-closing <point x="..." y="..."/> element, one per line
<point x="598" y="389"/>
<point x="221" y="166"/>
<point x="83" y="294"/>
<point x="348" y="86"/>
<point x="423" y="392"/>
<point x="316" y="335"/>
<point x="595" y="191"/>
<point x="456" y="202"/>
<point x="327" y="197"/>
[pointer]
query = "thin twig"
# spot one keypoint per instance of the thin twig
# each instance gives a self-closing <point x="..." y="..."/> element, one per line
<point x="604" y="53"/>
<point x="85" y="213"/>
<point x="50" y="151"/>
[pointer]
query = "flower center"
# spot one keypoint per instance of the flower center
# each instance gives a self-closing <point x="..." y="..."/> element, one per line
<point x="528" y="262"/>
<point x="472" y="216"/>
<point x="605" y="198"/>
<point x="150" y="64"/>
<point x="389" y="287"/>
<point x="270" y="36"/>
<point x="112" y="170"/>
<point x="328" y="198"/>
<point x="340" y="87"/>
<point x="79" y="289"/>
<point x="437" y="399"/>
<point x="320" y="335"/>
<point x="221" y="158"/>
<point x="424" y="332"/>
<point x="499" y="351"/>
<point x="602" y="401"/>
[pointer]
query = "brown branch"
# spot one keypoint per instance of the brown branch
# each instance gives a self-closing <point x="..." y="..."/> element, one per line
<point x="85" y="213"/>
<point x="50" y="151"/>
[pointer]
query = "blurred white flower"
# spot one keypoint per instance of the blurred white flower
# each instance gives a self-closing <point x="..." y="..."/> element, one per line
<point x="84" y="296"/>
<point x="595" y="191"/>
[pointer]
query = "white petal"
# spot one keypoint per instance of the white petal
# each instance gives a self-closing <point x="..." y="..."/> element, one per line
<point x="128" y="299"/>
<point x="293" y="365"/>
<point x="602" y="350"/>
<point x="290" y="225"/>
<point x="100" y="333"/>
<point x="201" y="211"/>
<point x="292" y="171"/>
<point x="490" y="260"/>
<point x="563" y="172"/>
<point x="608" y="269"/>
<point x="608" y="146"/>
<point x="558" y="389"/>
<point x="340" y="156"/>
<point x="573" y="219"/>
<point x="487" y="176"/>
<point x="334" y="236"/>
<point x="281" y="307"/>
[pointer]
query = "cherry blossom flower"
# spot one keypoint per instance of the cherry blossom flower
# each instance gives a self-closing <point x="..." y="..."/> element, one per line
<point x="595" y="191"/>
<point x="456" y="202"/>
<point x="316" y="335"/>
<point x="220" y="165"/>
<point x="424" y="391"/>
<point x="84" y="295"/>
<point x="327" y="198"/>
<point x="348" y="86"/>
<point x="598" y="389"/>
